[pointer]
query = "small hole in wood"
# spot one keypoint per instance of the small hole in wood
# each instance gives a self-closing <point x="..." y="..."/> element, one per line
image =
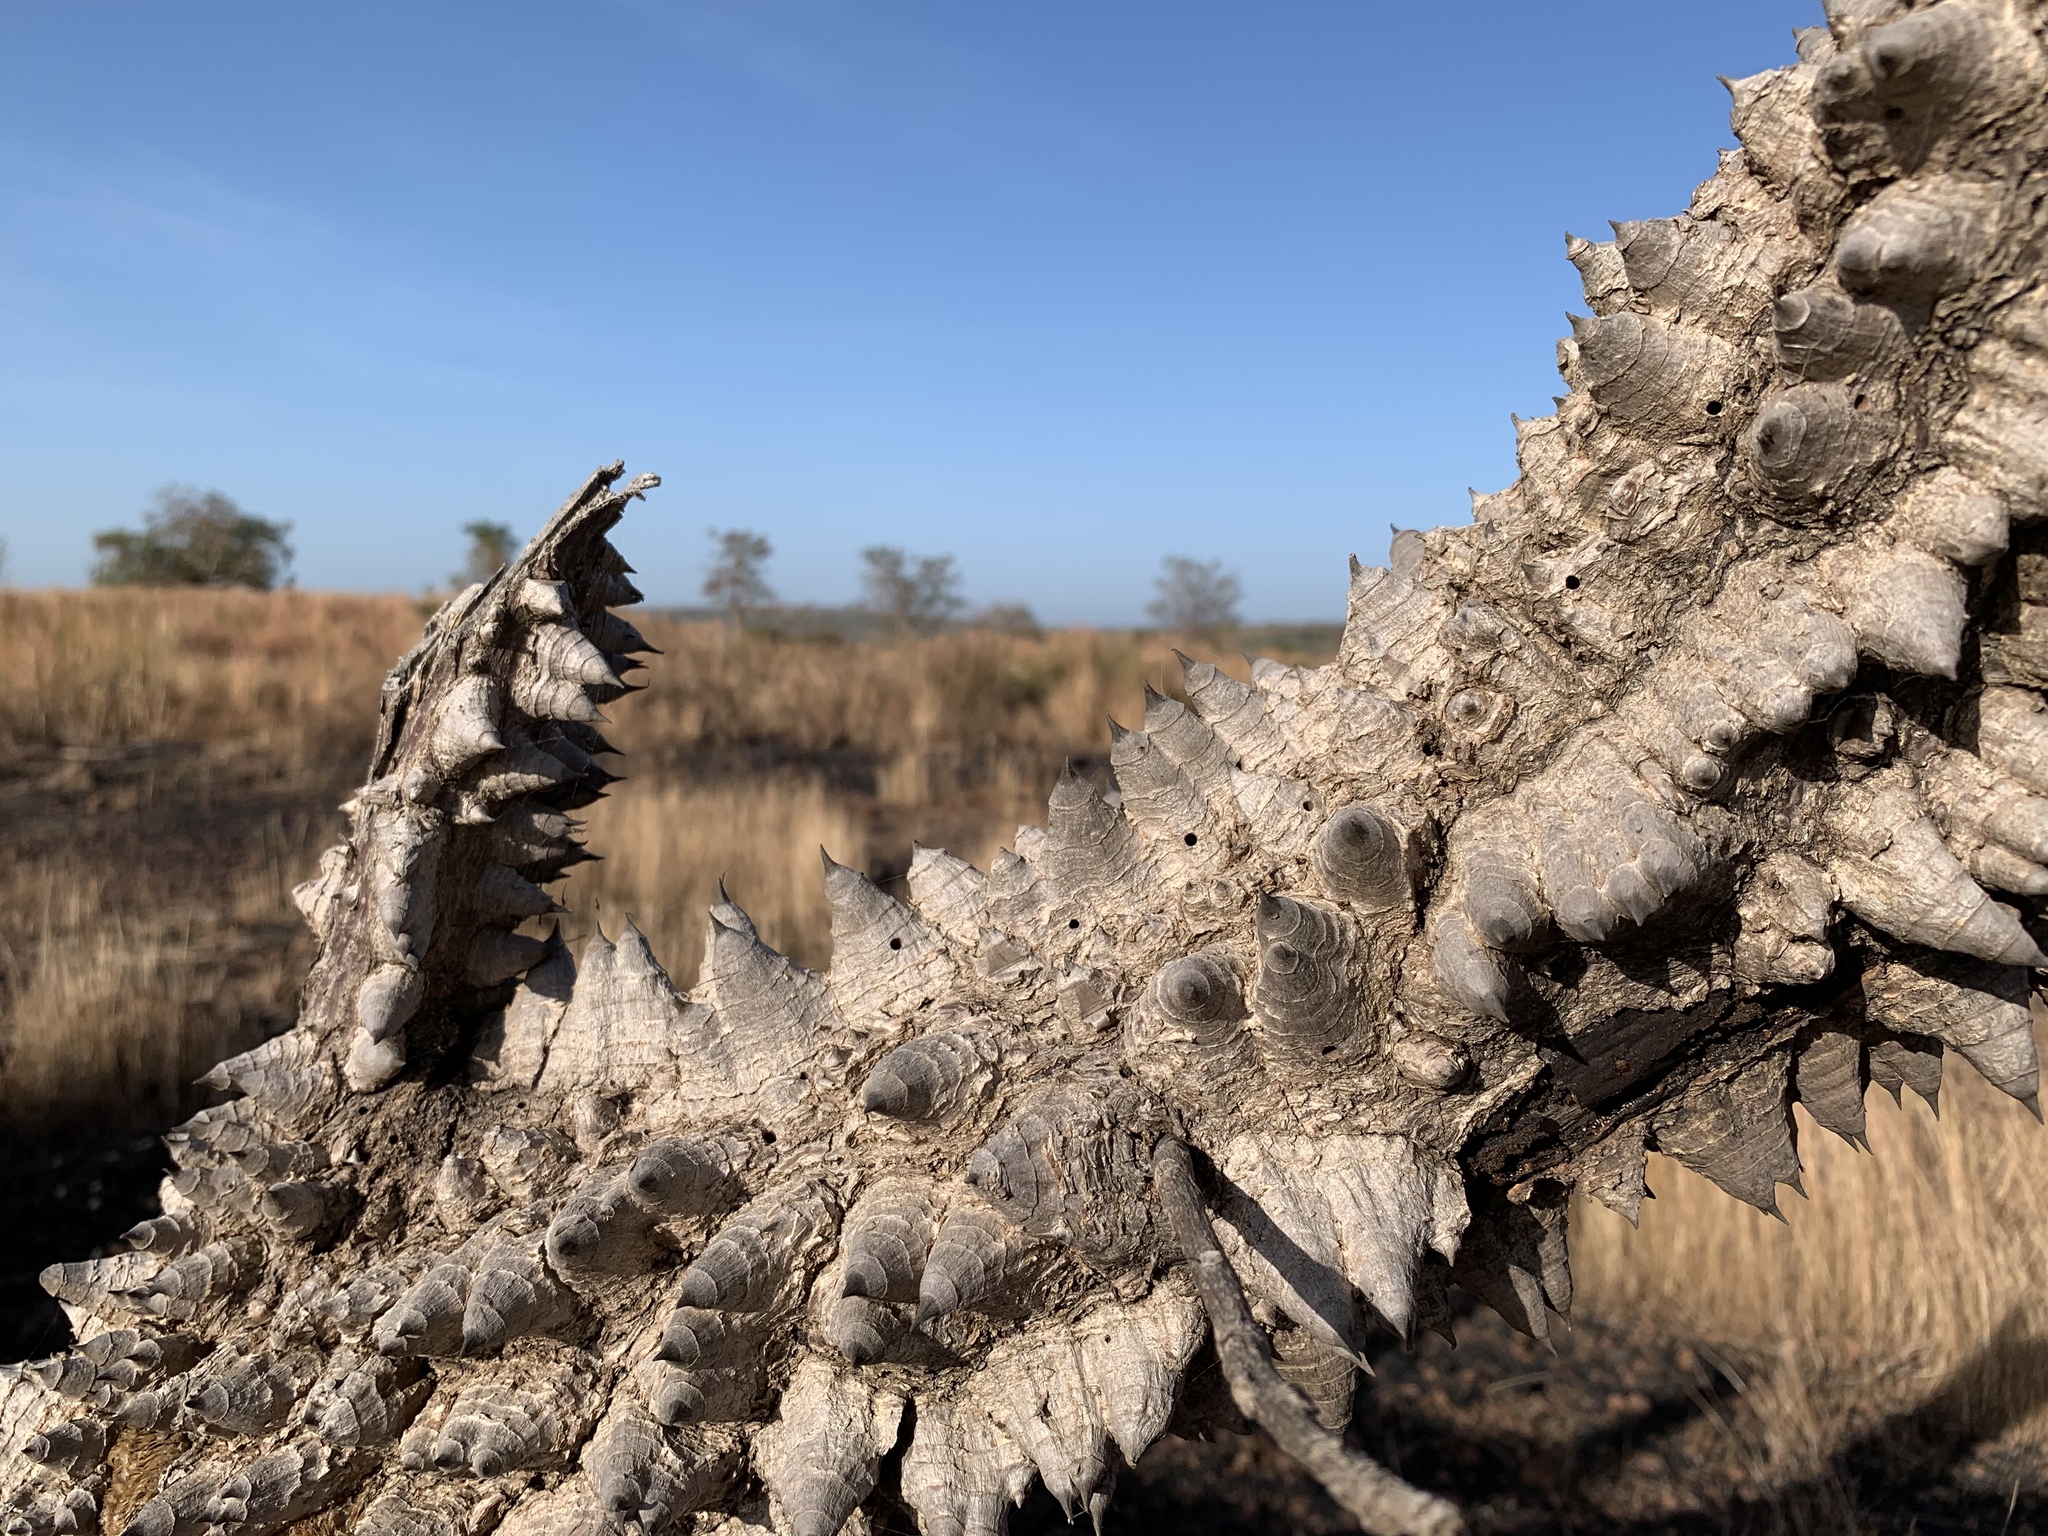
<point x="895" y="943"/>
<point x="1572" y="583"/>
<point x="1713" y="407"/>
<point x="1189" y="839"/>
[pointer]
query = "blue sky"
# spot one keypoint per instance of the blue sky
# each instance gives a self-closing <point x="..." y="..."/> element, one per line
<point x="1055" y="287"/>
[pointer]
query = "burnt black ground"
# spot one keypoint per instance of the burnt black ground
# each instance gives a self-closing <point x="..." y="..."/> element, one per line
<point x="63" y="1203"/>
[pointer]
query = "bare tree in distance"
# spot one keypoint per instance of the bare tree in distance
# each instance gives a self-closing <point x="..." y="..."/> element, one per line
<point x="491" y="547"/>
<point x="734" y="579"/>
<point x="918" y="596"/>
<point x="194" y="538"/>
<point x="1195" y="597"/>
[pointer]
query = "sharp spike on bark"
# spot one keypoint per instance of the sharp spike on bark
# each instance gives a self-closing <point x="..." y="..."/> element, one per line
<point x="1831" y="1075"/>
<point x="303" y="1210"/>
<point x="1133" y="1359"/>
<point x="604" y="1229"/>
<point x="1236" y="713"/>
<point x="1612" y="1172"/>
<point x="1468" y="970"/>
<point x="1317" y="1217"/>
<point x="511" y="1294"/>
<point x="1361" y="858"/>
<point x="685" y="1176"/>
<point x="1810" y="443"/>
<point x="617" y="637"/>
<point x="708" y="1367"/>
<point x="932" y="1079"/>
<point x="1913" y="241"/>
<point x="863" y="1331"/>
<point x="1737" y="1133"/>
<point x="289" y="1075"/>
<point x="1823" y="334"/>
<point x="545" y="601"/>
<point x="1306" y="995"/>
<point x="886" y="960"/>
<point x="169" y="1235"/>
<point x="465" y="729"/>
<point x="1189" y="832"/>
<point x="495" y="1426"/>
<point x="961" y="1473"/>
<point x="768" y="1246"/>
<point x="643" y="1475"/>
<point x="771" y="1012"/>
<point x="1908" y="1061"/>
<point x="75" y="1449"/>
<point x="888" y="1233"/>
<point x="1980" y="1011"/>
<point x="1203" y="995"/>
<point x="623" y="1023"/>
<point x="1898" y="876"/>
<point x="821" y="1457"/>
<point x="1905" y="606"/>
<point x="974" y="1254"/>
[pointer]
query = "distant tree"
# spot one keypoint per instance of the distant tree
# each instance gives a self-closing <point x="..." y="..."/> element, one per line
<point x="733" y="580"/>
<point x="491" y="547"/>
<point x="920" y="596"/>
<point x="194" y="538"/>
<point x="1195" y="597"/>
<point x="1007" y="618"/>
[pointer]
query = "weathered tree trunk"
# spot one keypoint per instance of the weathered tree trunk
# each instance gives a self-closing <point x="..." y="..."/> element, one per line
<point x="1707" y="769"/>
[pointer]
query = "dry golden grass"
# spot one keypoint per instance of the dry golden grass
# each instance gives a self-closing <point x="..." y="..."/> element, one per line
<point x="667" y="845"/>
<point x="1912" y="1272"/>
<point x="173" y="759"/>
<point x="288" y="673"/>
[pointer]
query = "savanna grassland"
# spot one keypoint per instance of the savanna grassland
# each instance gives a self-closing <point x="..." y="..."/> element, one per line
<point x="169" y="766"/>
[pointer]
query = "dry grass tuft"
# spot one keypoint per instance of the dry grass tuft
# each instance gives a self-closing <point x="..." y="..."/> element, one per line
<point x="1908" y="1275"/>
<point x="288" y="673"/>
<point x="668" y="844"/>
